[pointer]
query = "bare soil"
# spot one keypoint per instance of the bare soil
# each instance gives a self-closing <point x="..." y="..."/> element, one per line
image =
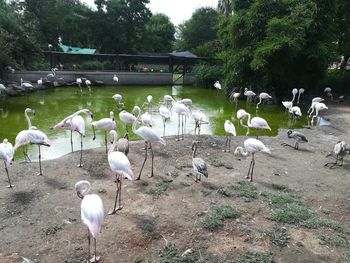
<point x="40" y="216"/>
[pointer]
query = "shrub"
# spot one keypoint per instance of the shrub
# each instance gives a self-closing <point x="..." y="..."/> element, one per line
<point x="206" y="74"/>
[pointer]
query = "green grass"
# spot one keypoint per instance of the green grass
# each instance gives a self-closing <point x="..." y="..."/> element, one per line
<point x="279" y="236"/>
<point x="291" y="214"/>
<point x="329" y="223"/>
<point x="241" y="189"/>
<point x="346" y="257"/>
<point x="147" y="226"/>
<point x="281" y="187"/>
<point x="335" y="241"/>
<point x="170" y="254"/>
<point x="282" y="199"/>
<point x="218" y="215"/>
<point x="254" y="258"/>
<point x="53" y="230"/>
<point x="160" y="188"/>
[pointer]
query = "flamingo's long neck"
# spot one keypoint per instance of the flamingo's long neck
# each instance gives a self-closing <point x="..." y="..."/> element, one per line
<point x="299" y="97"/>
<point x="115" y="140"/>
<point x="28" y="119"/>
<point x="134" y="125"/>
<point x="194" y="151"/>
<point x="242" y="151"/>
<point x="249" y="123"/>
<point x="53" y="72"/>
<point x="293" y="97"/>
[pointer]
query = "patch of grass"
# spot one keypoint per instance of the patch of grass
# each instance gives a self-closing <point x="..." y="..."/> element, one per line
<point x="254" y="258"/>
<point x="218" y="215"/>
<point x="334" y="241"/>
<point x="53" y="230"/>
<point x="210" y="186"/>
<point x="279" y="236"/>
<point x="346" y="257"/>
<point x="170" y="254"/>
<point x="159" y="189"/>
<point x="282" y="199"/>
<point x="332" y="224"/>
<point x="146" y="226"/>
<point x="281" y="187"/>
<point x="291" y="213"/>
<point x="206" y="192"/>
<point x="241" y="189"/>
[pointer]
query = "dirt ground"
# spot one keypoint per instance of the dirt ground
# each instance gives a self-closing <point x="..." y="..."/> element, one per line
<point x="40" y="216"/>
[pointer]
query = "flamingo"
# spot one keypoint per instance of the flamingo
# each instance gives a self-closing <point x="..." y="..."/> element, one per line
<point x="250" y="94"/>
<point x="289" y="104"/>
<point x="318" y="107"/>
<point x="217" y="85"/>
<point x="123" y="144"/>
<point x="257" y="123"/>
<point x="149" y="136"/>
<point x="105" y="124"/>
<point x="40" y="82"/>
<point x="120" y="165"/>
<point x="199" y="166"/>
<point x="148" y="103"/>
<point x="21" y="135"/>
<point x="92" y="213"/>
<point x="126" y="118"/>
<point x="241" y="114"/>
<point x="34" y="137"/>
<point x="295" y="111"/>
<point x="146" y="118"/>
<point x="252" y="146"/>
<point x="298" y="137"/>
<point x="165" y="113"/>
<point x="235" y="96"/>
<point x="26" y="85"/>
<point x="184" y="112"/>
<point x="199" y="118"/>
<point x="115" y="78"/>
<point x="79" y="81"/>
<point x="118" y="98"/>
<point x="168" y="100"/>
<point x="230" y="129"/>
<point x="301" y="91"/>
<point x="317" y="99"/>
<point x="75" y="123"/>
<point x="88" y="83"/>
<point x="341" y="148"/>
<point x="6" y="154"/>
<point x="53" y="74"/>
<point x="263" y="96"/>
<point x="186" y="102"/>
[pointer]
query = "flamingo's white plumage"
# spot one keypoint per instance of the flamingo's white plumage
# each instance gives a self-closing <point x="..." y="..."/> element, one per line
<point x="263" y="96"/>
<point x="230" y="129"/>
<point x="6" y="154"/>
<point x="105" y="124"/>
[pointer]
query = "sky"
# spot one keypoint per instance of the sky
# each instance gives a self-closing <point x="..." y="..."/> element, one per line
<point x="177" y="10"/>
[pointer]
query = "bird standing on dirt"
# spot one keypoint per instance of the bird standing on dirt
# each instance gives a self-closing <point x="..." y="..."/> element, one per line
<point x="199" y="119"/>
<point x="6" y="154"/>
<point x="341" y="148"/>
<point x="230" y="129"/>
<point x="92" y="213"/>
<point x="251" y="146"/>
<point x="199" y="166"/>
<point x="298" y="137"/>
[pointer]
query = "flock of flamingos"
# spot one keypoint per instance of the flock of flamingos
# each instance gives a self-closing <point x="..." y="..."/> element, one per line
<point x="92" y="211"/>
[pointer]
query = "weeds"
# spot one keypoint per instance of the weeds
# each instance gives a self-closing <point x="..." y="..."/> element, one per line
<point x="218" y="215"/>
<point x="291" y="214"/>
<point x="282" y="199"/>
<point x="53" y="230"/>
<point x="241" y="189"/>
<point x="279" y="236"/>
<point x="281" y="187"/>
<point x="346" y="257"/>
<point x="160" y="188"/>
<point x="254" y="258"/>
<point x="170" y="254"/>
<point x="146" y="226"/>
<point x="334" y="241"/>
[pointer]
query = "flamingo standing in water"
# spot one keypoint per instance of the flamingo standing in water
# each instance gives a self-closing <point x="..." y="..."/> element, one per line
<point x="257" y="123"/>
<point x="34" y="137"/>
<point x="251" y="146"/>
<point x="92" y="213"/>
<point x="183" y="112"/>
<point x="75" y="123"/>
<point x="105" y="124"/>
<point x="234" y="96"/>
<point x="241" y="114"/>
<point x="289" y="104"/>
<point x="126" y="118"/>
<point x="318" y="107"/>
<point x="148" y="103"/>
<point x="120" y="165"/>
<point x="165" y="113"/>
<point x="118" y="98"/>
<point x="79" y="82"/>
<point x="88" y="84"/>
<point x="295" y="111"/>
<point x="146" y="118"/>
<point x="149" y="136"/>
<point x="6" y="154"/>
<point x="217" y="85"/>
<point x="250" y="94"/>
<point x="263" y="96"/>
<point x="168" y="100"/>
<point x="230" y="129"/>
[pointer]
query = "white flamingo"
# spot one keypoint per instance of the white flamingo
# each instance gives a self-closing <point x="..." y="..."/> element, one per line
<point x="75" y="123"/>
<point x="120" y="165"/>
<point x="301" y="91"/>
<point x="341" y="148"/>
<point x="295" y="111"/>
<point x="6" y="154"/>
<point x="187" y="102"/>
<point x="234" y="96"/>
<point x="149" y="136"/>
<point x="88" y="84"/>
<point x="318" y="107"/>
<point x="230" y="129"/>
<point x="146" y="118"/>
<point x="79" y="82"/>
<point x="182" y="111"/>
<point x="241" y="114"/>
<point x="252" y="146"/>
<point x="317" y="99"/>
<point x="126" y="118"/>
<point x="250" y="94"/>
<point x="26" y="85"/>
<point x="258" y="123"/>
<point x="168" y="100"/>
<point x="217" y="85"/>
<point x="289" y="104"/>
<point x="199" y="118"/>
<point x="165" y="113"/>
<point x="115" y="78"/>
<point x="52" y="75"/>
<point x="92" y="213"/>
<point x="40" y="82"/>
<point x="118" y="98"/>
<point x="148" y="103"/>
<point x="263" y="96"/>
<point x="34" y="137"/>
<point x="105" y="124"/>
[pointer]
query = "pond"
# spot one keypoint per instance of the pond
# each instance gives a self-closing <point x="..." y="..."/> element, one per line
<point x="51" y="106"/>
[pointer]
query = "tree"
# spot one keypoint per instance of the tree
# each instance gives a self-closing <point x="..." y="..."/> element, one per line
<point x="342" y="19"/>
<point x="225" y="7"/>
<point x="160" y="34"/>
<point x="199" y="30"/>
<point x="279" y="44"/>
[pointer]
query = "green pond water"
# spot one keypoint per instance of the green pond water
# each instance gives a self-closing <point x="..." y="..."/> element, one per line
<point x="52" y="106"/>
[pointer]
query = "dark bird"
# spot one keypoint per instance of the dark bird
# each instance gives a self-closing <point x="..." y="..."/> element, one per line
<point x="298" y="137"/>
<point x="199" y="166"/>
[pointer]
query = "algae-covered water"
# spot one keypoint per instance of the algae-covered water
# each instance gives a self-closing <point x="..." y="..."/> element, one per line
<point x="51" y="106"/>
